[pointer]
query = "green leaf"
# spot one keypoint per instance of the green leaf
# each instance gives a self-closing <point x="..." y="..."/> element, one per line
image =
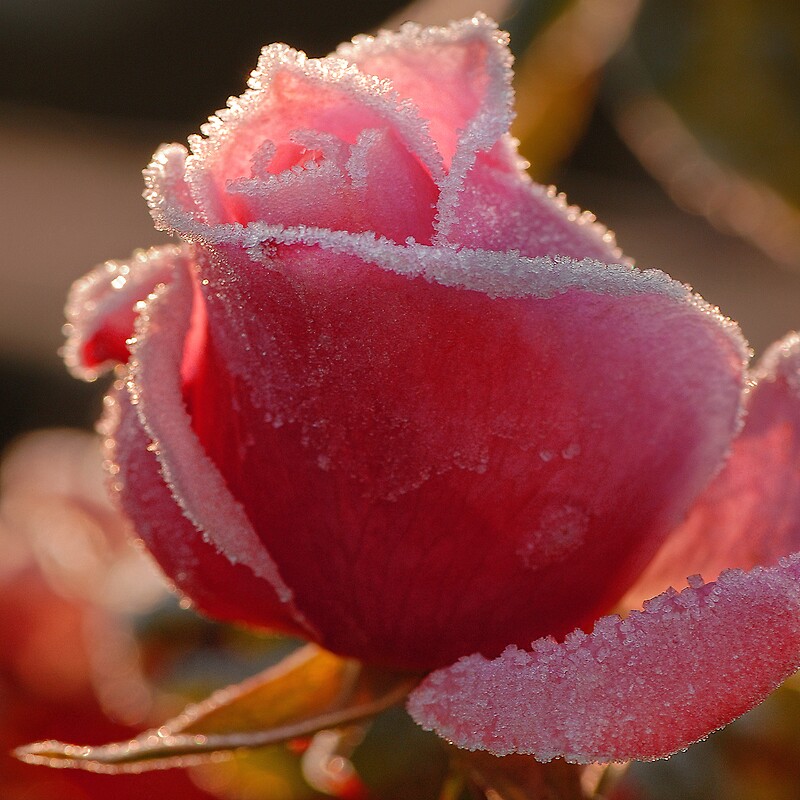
<point x="707" y="94"/>
<point x="308" y="691"/>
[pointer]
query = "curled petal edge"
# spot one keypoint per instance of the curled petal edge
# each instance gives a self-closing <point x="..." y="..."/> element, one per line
<point x="101" y="305"/>
<point x="493" y="273"/>
<point x="194" y="480"/>
<point x="643" y="687"/>
<point x="183" y="175"/>
<point x="377" y="95"/>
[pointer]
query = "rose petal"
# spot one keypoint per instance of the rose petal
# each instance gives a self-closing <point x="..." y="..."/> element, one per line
<point x="169" y="339"/>
<point x="290" y="93"/>
<point x="397" y="199"/>
<point x="500" y="208"/>
<point x="750" y="514"/>
<point x="376" y="185"/>
<point x="101" y="310"/>
<point x="311" y="341"/>
<point x="459" y="77"/>
<point x="215" y="585"/>
<point x="640" y="688"/>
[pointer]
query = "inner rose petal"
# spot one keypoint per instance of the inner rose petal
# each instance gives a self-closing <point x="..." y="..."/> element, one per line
<point x="288" y="94"/>
<point x="291" y="154"/>
<point x="317" y="179"/>
<point x="458" y="77"/>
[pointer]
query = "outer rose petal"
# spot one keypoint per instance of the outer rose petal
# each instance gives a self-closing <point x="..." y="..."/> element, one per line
<point x="750" y="514"/>
<point x="100" y="310"/>
<point x="639" y="688"/>
<point x="381" y="413"/>
<point x="229" y="591"/>
<point x="169" y="340"/>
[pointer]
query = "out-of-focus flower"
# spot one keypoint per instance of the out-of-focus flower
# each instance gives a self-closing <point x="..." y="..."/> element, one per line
<point x="68" y="574"/>
<point x="393" y="397"/>
<point x="56" y="507"/>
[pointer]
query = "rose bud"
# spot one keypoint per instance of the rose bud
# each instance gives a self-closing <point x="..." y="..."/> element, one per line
<point x="390" y="395"/>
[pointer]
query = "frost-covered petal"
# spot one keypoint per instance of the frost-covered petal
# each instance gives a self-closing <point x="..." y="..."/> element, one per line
<point x="397" y="199"/>
<point x="312" y="141"/>
<point x="196" y="568"/>
<point x="101" y="309"/>
<point x="374" y="184"/>
<point x="385" y="392"/>
<point x="750" y="514"/>
<point x="169" y="342"/>
<point x="167" y="191"/>
<point x="459" y="77"/>
<point x="639" y="688"/>
<point x="500" y="208"/>
<point x="288" y="93"/>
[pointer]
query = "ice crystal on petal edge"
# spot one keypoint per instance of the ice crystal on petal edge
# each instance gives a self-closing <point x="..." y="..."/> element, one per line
<point x="106" y="297"/>
<point x="688" y="664"/>
<point x="193" y="479"/>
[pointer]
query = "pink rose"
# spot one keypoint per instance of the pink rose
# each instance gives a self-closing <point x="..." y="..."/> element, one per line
<point x="391" y="396"/>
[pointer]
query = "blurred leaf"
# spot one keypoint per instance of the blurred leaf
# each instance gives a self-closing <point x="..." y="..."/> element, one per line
<point x="187" y="657"/>
<point x="518" y="777"/>
<point x="708" y="96"/>
<point x="398" y="760"/>
<point x="526" y="19"/>
<point x="306" y="692"/>
<point x="560" y="46"/>
<point x="268" y="772"/>
<point x="457" y="788"/>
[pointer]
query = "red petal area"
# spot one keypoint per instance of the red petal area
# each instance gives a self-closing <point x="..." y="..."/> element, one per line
<point x="396" y="196"/>
<point x="224" y="590"/>
<point x="101" y="311"/>
<point x="501" y="208"/>
<point x="458" y="77"/>
<point x="750" y="514"/>
<point x="436" y="471"/>
<point x="169" y="342"/>
<point x="640" y="688"/>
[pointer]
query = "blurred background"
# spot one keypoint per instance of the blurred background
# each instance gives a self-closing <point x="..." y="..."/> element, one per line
<point x="677" y="122"/>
